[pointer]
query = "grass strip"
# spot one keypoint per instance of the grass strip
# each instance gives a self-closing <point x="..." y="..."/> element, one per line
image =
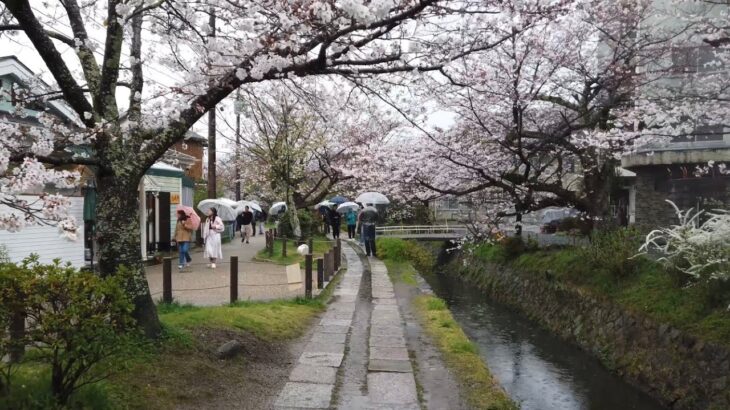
<point x="461" y="355"/>
<point x="321" y="245"/>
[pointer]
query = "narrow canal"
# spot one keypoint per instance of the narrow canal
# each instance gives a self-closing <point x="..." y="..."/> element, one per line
<point x="537" y="369"/>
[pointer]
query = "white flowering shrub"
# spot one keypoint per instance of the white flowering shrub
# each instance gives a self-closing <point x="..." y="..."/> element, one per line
<point x="699" y="246"/>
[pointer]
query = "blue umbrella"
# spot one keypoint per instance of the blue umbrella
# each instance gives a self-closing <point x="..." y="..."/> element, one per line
<point x="339" y="199"/>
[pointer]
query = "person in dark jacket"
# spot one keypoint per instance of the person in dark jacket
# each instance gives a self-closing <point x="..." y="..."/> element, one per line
<point x="245" y="222"/>
<point x="335" y="221"/>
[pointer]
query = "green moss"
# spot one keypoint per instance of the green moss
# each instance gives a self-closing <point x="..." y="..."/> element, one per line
<point x="461" y="355"/>
<point x="401" y="272"/>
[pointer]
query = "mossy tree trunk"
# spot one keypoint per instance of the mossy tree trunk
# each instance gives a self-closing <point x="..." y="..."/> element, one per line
<point x="118" y="235"/>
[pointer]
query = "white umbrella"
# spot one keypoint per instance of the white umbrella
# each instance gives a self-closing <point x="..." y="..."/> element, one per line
<point x="228" y="202"/>
<point x="224" y="211"/>
<point x="348" y="206"/>
<point x="375" y="198"/>
<point x="324" y="203"/>
<point x="251" y="204"/>
<point x="277" y="208"/>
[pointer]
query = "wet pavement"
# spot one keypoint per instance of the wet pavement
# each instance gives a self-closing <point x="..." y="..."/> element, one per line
<point x="202" y="286"/>
<point x="357" y="357"/>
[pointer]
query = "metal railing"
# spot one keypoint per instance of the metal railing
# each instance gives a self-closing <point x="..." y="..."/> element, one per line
<point x="414" y="230"/>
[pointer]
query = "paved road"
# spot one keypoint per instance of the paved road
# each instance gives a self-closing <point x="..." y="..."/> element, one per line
<point x="203" y="286"/>
<point x="364" y="321"/>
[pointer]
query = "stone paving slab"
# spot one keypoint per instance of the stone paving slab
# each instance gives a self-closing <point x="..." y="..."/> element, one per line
<point x="332" y="329"/>
<point x="388" y="353"/>
<point x="386" y="331"/>
<point x="305" y="395"/>
<point x="337" y="315"/>
<point x="392" y="388"/>
<point x="314" y="374"/>
<point x="329" y="337"/>
<point x="321" y="359"/>
<point x="325" y="347"/>
<point x="335" y="322"/>
<point x="398" y="366"/>
<point x="312" y="381"/>
<point x="387" y="341"/>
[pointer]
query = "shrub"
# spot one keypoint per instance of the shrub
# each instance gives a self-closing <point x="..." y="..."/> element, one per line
<point x="306" y="223"/>
<point x="612" y="251"/>
<point x="513" y="247"/>
<point x="400" y="250"/>
<point x="698" y="249"/>
<point x="77" y="322"/>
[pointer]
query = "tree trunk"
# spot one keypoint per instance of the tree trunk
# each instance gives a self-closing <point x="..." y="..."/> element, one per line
<point x="118" y="235"/>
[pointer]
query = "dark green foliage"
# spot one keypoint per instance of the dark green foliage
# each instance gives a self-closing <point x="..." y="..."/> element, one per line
<point x="78" y="322"/>
<point x="513" y="247"/>
<point x="306" y="223"/>
<point x="400" y="250"/>
<point x="613" y="251"/>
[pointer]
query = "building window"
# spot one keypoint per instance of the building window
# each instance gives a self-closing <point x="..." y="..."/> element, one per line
<point x="699" y="59"/>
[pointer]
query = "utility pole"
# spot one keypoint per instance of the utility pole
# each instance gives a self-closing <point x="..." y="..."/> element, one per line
<point x="212" y="191"/>
<point x="237" y="107"/>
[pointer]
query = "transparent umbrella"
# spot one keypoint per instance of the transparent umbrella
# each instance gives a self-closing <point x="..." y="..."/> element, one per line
<point x="224" y="211"/>
<point x="374" y="198"/>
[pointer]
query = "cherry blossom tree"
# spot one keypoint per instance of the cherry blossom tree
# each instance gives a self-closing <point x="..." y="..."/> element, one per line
<point x="545" y="115"/>
<point x="139" y="73"/>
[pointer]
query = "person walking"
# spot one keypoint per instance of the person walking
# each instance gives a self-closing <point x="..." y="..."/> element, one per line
<point x="246" y="221"/>
<point x="351" y="218"/>
<point x="212" y="237"/>
<point x="183" y="237"/>
<point x="261" y="219"/>
<point x="335" y="222"/>
<point x="368" y="218"/>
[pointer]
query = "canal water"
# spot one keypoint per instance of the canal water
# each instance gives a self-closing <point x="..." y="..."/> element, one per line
<point x="537" y="369"/>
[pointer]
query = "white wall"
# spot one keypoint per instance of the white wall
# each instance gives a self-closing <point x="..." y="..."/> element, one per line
<point x="45" y="240"/>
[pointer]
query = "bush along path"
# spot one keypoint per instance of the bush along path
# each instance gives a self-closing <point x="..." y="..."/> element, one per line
<point x="369" y="351"/>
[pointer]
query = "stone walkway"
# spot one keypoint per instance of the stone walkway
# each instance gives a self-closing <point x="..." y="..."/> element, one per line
<point x="357" y="356"/>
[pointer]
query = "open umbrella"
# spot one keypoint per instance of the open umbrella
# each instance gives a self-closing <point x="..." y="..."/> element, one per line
<point x="241" y="205"/>
<point x="193" y="222"/>
<point x="374" y="198"/>
<point x="369" y="214"/>
<point x="228" y="202"/>
<point x="277" y="208"/>
<point x="324" y="203"/>
<point x="224" y="211"/>
<point x="347" y="207"/>
<point x="339" y="199"/>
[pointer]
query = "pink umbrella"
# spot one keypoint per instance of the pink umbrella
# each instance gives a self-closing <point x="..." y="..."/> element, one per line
<point x="193" y="221"/>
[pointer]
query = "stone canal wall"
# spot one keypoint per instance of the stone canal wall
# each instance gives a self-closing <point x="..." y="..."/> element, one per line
<point x="678" y="369"/>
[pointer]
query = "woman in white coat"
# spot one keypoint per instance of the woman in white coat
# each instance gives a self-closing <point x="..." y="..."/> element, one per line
<point x="212" y="237"/>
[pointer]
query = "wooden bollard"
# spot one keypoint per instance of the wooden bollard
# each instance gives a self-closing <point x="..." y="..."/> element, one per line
<point x="308" y="276"/>
<point x="320" y="273"/>
<point x="271" y="243"/>
<point x="167" y="280"/>
<point x="234" y="279"/>
<point x="338" y="254"/>
<point x="330" y="265"/>
<point x="283" y="247"/>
